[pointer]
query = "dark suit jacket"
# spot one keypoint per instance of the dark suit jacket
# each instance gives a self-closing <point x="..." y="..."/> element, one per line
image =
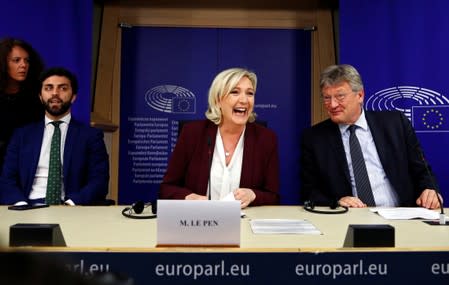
<point x="85" y="169"/>
<point x="325" y="173"/>
<point x="188" y="169"/>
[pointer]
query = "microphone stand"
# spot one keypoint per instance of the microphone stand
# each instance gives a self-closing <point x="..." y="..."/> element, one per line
<point x="209" y="153"/>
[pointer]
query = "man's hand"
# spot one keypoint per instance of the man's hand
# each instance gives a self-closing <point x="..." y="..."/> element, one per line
<point x="429" y="199"/>
<point x="350" y="201"/>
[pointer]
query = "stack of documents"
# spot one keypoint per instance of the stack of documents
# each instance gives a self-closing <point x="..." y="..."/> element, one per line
<point x="283" y="226"/>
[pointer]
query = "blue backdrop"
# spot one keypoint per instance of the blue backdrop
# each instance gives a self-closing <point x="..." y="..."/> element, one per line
<point x="61" y="31"/>
<point x="400" y="48"/>
<point x="165" y="77"/>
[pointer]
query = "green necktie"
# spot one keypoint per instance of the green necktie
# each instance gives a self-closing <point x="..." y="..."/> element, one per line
<point x="53" y="196"/>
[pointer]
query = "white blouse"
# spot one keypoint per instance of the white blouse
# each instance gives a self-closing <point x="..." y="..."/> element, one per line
<point x="224" y="179"/>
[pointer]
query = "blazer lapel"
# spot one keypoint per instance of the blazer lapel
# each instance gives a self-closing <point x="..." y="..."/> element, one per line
<point x="337" y="147"/>
<point x="37" y="135"/>
<point x="70" y="141"/>
<point x="379" y="140"/>
<point x="248" y="154"/>
<point x="206" y="158"/>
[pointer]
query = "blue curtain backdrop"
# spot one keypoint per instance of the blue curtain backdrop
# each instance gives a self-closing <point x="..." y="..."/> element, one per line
<point x="61" y="31"/>
<point x="400" y="47"/>
<point x="165" y="77"/>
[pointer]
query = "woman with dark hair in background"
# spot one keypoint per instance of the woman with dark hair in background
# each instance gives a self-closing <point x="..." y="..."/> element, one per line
<point x="20" y="67"/>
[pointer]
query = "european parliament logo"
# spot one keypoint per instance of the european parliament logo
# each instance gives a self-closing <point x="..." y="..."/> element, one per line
<point x="171" y="99"/>
<point x="427" y="109"/>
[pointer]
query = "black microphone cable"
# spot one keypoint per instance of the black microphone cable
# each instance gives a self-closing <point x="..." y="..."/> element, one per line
<point x="137" y="208"/>
<point x="309" y="206"/>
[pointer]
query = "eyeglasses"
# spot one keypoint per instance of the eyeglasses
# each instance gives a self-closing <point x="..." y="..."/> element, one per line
<point x="339" y="98"/>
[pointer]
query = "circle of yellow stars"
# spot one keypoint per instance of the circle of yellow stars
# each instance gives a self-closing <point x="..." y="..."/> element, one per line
<point x="183" y="105"/>
<point x="437" y="119"/>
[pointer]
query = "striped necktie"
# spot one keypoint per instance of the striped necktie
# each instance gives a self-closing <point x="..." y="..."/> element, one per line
<point x="361" y="178"/>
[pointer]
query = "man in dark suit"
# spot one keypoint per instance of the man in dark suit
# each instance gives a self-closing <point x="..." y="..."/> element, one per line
<point x="83" y="160"/>
<point x="392" y="156"/>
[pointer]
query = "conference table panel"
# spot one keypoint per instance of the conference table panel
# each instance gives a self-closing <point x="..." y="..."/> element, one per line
<point x="101" y="239"/>
<point x="105" y="227"/>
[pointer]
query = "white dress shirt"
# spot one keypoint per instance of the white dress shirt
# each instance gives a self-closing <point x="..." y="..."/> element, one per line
<point x="383" y="192"/>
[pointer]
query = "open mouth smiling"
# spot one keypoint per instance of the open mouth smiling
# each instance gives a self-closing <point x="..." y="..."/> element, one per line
<point x="240" y="111"/>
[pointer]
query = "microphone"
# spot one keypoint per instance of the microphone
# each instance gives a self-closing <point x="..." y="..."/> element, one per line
<point x="209" y="153"/>
<point x="437" y="191"/>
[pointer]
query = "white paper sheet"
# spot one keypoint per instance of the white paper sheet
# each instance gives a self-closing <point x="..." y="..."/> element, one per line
<point x="283" y="226"/>
<point x="407" y="213"/>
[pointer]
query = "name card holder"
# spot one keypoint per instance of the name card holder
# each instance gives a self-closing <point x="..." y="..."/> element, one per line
<point x="369" y="236"/>
<point x="195" y="223"/>
<point x="23" y="234"/>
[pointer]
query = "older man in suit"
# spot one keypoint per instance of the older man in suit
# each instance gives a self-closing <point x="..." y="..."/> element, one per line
<point x="359" y="158"/>
<point x="58" y="160"/>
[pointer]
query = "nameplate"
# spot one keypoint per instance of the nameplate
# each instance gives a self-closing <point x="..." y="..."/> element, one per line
<point x="198" y="223"/>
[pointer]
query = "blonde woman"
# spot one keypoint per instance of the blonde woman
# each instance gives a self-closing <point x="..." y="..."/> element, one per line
<point x="228" y="153"/>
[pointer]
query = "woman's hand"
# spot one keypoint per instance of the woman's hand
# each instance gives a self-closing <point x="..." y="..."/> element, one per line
<point x="245" y="195"/>
<point x="194" y="196"/>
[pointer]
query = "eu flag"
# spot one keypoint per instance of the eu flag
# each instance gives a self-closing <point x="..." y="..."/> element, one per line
<point x="430" y="118"/>
<point x="183" y="105"/>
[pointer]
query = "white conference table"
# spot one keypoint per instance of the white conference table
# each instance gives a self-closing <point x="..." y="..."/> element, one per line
<point x="101" y="228"/>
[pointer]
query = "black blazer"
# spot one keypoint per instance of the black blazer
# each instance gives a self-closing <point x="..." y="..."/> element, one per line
<point x="325" y="173"/>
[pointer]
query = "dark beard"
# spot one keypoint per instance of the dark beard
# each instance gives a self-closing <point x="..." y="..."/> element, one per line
<point x="65" y="106"/>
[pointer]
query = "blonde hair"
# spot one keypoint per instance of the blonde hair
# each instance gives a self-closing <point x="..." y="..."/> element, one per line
<point x="222" y="85"/>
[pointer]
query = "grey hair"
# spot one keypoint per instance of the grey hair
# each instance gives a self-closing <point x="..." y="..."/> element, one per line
<point x="335" y="74"/>
<point x="222" y="85"/>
